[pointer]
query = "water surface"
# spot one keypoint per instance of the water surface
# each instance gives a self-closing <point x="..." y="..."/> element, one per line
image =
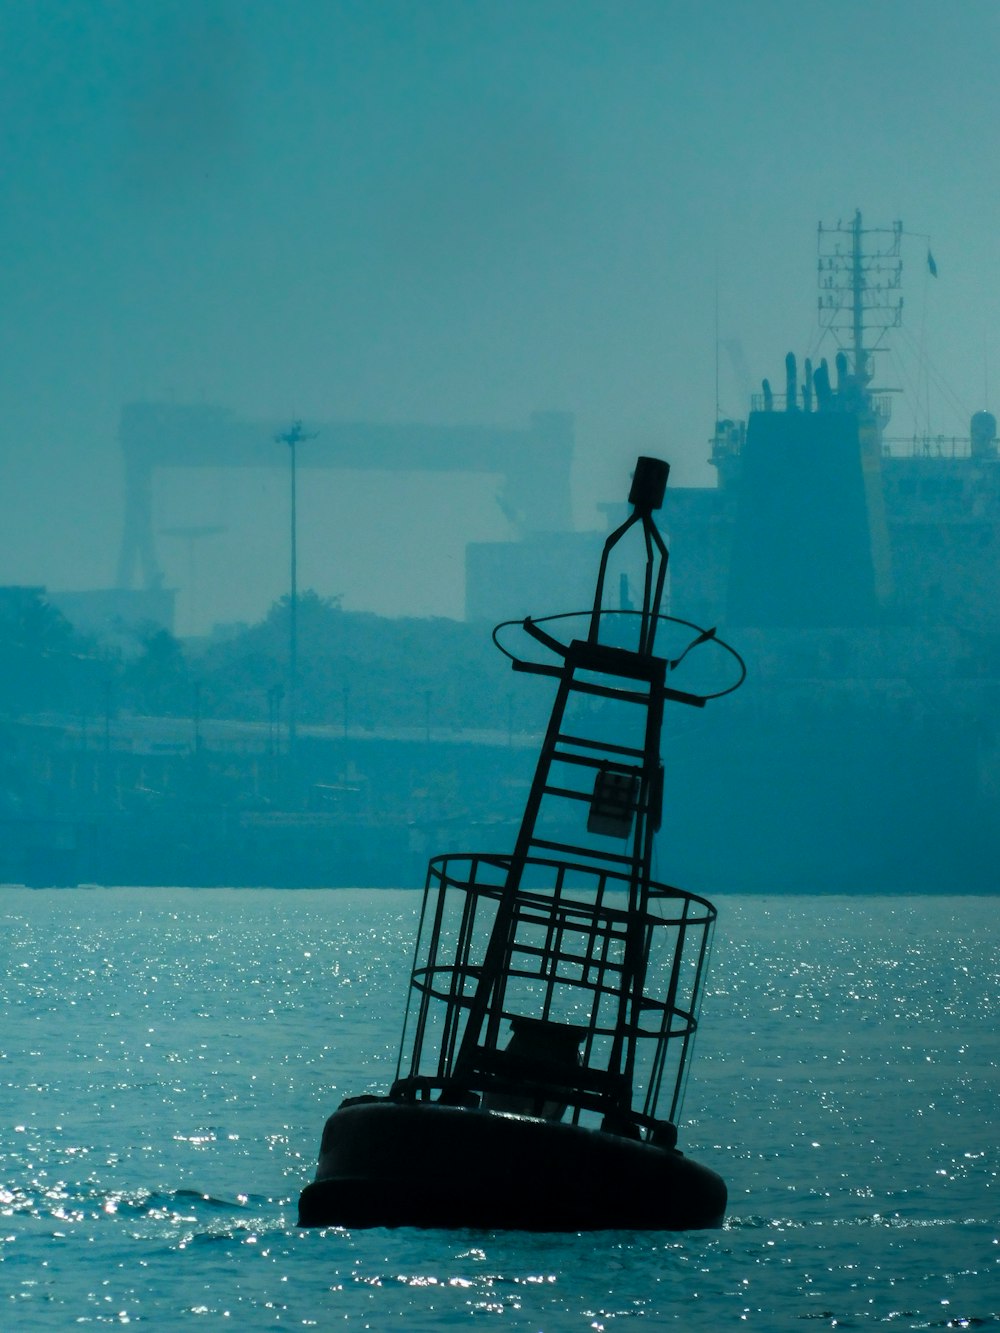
<point x="169" y="1057"/>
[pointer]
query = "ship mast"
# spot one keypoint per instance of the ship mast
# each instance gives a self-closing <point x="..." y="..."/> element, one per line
<point x="860" y="299"/>
<point x="858" y="295"/>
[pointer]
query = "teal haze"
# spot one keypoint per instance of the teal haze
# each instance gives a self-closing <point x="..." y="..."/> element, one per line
<point x="453" y="212"/>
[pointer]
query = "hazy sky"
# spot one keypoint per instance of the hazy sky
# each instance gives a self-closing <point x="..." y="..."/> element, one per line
<point x="453" y="212"/>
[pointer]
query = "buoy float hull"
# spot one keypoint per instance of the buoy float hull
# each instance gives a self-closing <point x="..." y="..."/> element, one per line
<point x="390" y="1164"/>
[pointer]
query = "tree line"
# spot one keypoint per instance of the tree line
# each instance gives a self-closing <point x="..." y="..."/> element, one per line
<point x="354" y="670"/>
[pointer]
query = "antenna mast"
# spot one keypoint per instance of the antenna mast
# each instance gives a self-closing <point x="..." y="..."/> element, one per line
<point x="860" y="273"/>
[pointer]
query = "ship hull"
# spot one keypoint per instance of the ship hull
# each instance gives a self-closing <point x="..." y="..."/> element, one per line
<point x="385" y="1163"/>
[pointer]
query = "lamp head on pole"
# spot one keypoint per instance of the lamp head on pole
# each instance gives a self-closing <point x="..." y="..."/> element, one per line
<point x="294" y="435"/>
<point x="649" y="484"/>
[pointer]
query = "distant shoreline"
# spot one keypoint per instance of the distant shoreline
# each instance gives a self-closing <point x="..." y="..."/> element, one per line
<point x="404" y="888"/>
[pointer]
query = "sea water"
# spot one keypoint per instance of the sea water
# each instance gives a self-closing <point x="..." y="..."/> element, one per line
<point x="169" y="1058"/>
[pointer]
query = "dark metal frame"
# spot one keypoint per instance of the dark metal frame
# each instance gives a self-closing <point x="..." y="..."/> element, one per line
<point x="567" y="938"/>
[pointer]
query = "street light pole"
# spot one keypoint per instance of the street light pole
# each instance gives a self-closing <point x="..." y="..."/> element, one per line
<point x="293" y="437"/>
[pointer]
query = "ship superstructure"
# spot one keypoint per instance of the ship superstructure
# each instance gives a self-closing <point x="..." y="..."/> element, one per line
<point x="922" y="512"/>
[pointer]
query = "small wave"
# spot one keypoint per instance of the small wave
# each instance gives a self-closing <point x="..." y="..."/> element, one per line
<point x="967" y="1321"/>
<point x="756" y="1222"/>
<point x="241" y="1201"/>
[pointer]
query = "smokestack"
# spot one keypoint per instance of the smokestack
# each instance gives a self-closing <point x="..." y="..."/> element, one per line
<point x="983" y="433"/>
<point x="791" y="375"/>
<point x="821" y="380"/>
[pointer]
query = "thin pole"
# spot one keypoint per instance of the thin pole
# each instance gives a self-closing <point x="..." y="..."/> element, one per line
<point x="293" y="605"/>
<point x="292" y="438"/>
<point x="717" y="408"/>
<point x="857" y="291"/>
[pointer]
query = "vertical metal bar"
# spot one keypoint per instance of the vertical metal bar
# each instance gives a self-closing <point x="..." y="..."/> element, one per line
<point x="435" y="937"/>
<point x="635" y="949"/>
<point x="708" y="931"/>
<point x="416" y="959"/>
<point x="453" y="1003"/>
<point x="498" y="948"/>
<point x="610" y="543"/>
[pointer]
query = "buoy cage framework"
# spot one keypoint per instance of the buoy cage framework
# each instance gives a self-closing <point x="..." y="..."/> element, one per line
<point x="555" y="991"/>
<point x="569" y="931"/>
